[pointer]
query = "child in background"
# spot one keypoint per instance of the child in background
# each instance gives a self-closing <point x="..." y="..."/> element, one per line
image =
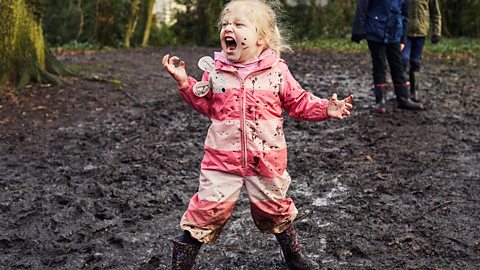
<point x="382" y="24"/>
<point x="244" y="91"/>
<point x="420" y="13"/>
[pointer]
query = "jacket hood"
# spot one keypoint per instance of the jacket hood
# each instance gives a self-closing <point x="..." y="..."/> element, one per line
<point x="267" y="59"/>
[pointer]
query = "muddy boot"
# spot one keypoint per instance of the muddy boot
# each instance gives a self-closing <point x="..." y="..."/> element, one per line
<point x="292" y="251"/>
<point x="380" y="92"/>
<point x="403" y="98"/>
<point x="185" y="250"/>
<point x="413" y="85"/>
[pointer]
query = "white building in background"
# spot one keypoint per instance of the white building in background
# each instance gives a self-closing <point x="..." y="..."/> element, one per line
<point x="164" y="11"/>
<point x="293" y="3"/>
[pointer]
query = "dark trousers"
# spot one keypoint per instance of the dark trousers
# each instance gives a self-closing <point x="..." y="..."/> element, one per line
<point x="381" y="53"/>
<point x="412" y="53"/>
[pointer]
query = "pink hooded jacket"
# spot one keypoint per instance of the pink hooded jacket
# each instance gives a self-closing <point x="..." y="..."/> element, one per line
<point x="246" y="135"/>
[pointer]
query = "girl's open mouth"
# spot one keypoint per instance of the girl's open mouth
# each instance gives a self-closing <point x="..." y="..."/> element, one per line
<point x="230" y="43"/>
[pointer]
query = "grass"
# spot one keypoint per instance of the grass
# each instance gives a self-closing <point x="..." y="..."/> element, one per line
<point x="336" y="44"/>
<point x="455" y="49"/>
<point x="467" y="49"/>
<point x="449" y="49"/>
<point x="74" y="45"/>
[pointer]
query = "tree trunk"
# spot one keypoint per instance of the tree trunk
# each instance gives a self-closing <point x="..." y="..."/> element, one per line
<point x="132" y="21"/>
<point x="82" y="20"/>
<point x="148" y="24"/>
<point x="94" y="36"/>
<point x="23" y="54"/>
<point x="202" y="20"/>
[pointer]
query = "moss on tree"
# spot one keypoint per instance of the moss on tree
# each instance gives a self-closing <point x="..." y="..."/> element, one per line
<point x="23" y="55"/>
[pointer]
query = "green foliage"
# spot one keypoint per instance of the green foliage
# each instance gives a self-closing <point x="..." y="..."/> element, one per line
<point x="111" y="20"/>
<point x="162" y="36"/>
<point x="61" y="22"/>
<point x="104" y="22"/>
<point x="460" y="18"/>
<point x="307" y="20"/>
<point x="311" y="20"/>
<point x="86" y="21"/>
<point x="299" y="17"/>
<point x="339" y="18"/>
<point x="197" y="25"/>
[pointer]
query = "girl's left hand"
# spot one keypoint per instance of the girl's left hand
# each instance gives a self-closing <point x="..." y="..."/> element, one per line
<point x="339" y="108"/>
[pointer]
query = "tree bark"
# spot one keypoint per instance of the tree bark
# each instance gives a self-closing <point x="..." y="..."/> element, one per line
<point x="94" y="36"/>
<point x="23" y="55"/>
<point x="82" y="20"/>
<point x="148" y="24"/>
<point x="132" y="21"/>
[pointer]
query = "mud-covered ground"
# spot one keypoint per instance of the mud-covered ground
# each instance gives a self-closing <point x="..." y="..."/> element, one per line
<point x="96" y="174"/>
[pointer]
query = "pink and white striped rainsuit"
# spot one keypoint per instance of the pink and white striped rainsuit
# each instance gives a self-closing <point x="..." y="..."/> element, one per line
<point x="245" y="144"/>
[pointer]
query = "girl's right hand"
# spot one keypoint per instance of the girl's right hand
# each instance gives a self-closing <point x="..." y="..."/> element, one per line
<point x="339" y="108"/>
<point x="178" y="73"/>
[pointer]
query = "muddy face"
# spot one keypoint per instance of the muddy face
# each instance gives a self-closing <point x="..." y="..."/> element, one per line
<point x="239" y="37"/>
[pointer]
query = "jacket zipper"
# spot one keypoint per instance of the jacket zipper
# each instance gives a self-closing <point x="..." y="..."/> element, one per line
<point x="243" y="126"/>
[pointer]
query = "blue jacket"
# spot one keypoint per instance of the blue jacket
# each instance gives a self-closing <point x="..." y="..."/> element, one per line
<point x="381" y="21"/>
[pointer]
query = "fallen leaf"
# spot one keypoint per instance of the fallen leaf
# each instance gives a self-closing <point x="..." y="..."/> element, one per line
<point x="4" y="121"/>
<point x="40" y="107"/>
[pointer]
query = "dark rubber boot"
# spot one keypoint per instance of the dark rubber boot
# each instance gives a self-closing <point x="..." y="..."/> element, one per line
<point x="413" y="86"/>
<point x="292" y="251"/>
<point x="403" y="98"/>
<point x="380" y="98"/>
<point x="185" y="250"/>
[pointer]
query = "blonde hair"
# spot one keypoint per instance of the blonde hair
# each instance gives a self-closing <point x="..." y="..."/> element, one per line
<point x="264" y="14"/>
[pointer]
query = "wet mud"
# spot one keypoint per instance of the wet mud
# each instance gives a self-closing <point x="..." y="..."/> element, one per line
<point x="97" y="173"/>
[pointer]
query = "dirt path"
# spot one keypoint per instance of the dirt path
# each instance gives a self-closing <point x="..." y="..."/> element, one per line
<point x="96" y="176"/>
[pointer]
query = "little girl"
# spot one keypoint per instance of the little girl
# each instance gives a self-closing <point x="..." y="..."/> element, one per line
<point x="244" y="91"/>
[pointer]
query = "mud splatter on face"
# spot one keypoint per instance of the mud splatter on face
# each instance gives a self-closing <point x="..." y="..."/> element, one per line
<point x="243" y="43"/>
